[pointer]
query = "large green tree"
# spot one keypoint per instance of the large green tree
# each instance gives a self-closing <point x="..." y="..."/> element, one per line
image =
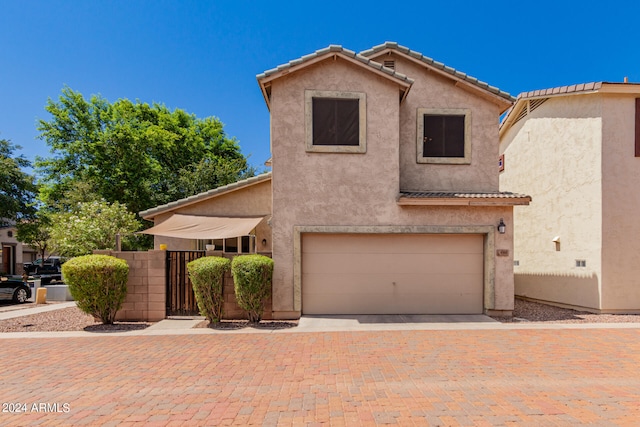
<point x="134" y="153"/>
<point x="90" y="226"/>
<point x="17" y="188"/>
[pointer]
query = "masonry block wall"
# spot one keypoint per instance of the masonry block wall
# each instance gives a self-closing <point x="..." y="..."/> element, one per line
<point x="146" y="288"/>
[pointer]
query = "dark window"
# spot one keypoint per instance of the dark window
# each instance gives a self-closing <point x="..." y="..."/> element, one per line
<point x="246" y="244"/>
<point x="336" y="121"/>
<point x="443" y="136"/>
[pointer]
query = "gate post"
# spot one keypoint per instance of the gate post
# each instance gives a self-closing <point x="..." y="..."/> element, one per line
<point x="156" y="285"/>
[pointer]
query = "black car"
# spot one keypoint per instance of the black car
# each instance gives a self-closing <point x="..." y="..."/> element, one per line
<point x="51" y="265"/>
<point x="14" y="290"/>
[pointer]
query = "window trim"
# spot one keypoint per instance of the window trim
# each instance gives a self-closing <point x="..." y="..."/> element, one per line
<point x="443" y="112"/>
<point x="308" y="119"/>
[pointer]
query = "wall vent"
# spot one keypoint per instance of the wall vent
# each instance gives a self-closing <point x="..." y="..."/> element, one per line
<point x="528" y="108"/>
<point x="390" y="64"/>
<point x="581" y="263"/>
<point x="535" y="103"/>
<point x="516" y="262"/>
<point x="521" y="115"/>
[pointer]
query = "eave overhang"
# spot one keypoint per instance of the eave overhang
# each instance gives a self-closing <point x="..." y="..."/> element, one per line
<point x="332" y="52"/>
<point x="462" y="80"/>
<point x="150" y="214"/>
<point x="439" y="198"/>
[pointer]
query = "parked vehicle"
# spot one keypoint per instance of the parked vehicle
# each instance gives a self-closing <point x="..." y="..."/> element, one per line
<point x="51" y="265"/>
<point x="14" y="290"/>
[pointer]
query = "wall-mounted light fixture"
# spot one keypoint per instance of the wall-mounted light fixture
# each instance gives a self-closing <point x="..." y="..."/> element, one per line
<point x="502" y="228"/>
<point x="264" y="242"/>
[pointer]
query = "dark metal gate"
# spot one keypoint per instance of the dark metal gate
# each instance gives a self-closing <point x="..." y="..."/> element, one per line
<point x="181" y="301"/>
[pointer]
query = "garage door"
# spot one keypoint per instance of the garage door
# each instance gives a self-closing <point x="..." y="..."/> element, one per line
<point x="392" y="273"/>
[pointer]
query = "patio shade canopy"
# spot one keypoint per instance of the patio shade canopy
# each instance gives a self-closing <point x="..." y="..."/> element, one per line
<point x="204" y="227"/>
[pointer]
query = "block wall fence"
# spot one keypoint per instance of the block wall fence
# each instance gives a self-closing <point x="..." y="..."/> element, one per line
<point x="147" y="288"/>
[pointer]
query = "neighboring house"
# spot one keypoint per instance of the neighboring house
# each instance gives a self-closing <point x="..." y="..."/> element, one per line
<point x="576" y="151"/>
<point x="13" y="254"/>
<point x="385" y="186"/>
<point x="232" y="218"/>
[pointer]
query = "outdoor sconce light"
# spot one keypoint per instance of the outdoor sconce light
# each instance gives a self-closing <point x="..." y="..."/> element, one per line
<point x="264" y="242"/>
<point x="502" y="228"/>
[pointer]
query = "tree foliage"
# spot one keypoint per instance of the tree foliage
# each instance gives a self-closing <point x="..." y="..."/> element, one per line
<point x="134" y="153"/>
<point x="17" y="188"/>
<point x="207" y="278"/>
<point x="252" y="278"/>
<point x="91" y="226"/>
<point x="35" y="232"/>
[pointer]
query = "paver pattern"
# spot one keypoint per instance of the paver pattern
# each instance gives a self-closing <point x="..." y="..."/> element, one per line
<point x="425" y="378"/>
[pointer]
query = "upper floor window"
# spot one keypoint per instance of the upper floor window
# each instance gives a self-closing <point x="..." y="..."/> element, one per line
<point x="335" y="121"/>
<point x="444" y="136"/>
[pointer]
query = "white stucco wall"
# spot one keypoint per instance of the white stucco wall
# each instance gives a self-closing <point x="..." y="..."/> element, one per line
<point x="621" y="206"/>
<point x="554" y="155"/>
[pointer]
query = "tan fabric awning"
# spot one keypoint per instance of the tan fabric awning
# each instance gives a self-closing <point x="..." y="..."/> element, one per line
<point x="204" y="227"/>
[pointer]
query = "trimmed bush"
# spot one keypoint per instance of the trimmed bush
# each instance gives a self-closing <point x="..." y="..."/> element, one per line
<point x="252" y="276"/>
<point x="98" y="283"/>
<point x="207" y="278"/>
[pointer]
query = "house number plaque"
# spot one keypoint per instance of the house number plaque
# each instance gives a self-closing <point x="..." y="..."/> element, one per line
<point x="502" y="252"/>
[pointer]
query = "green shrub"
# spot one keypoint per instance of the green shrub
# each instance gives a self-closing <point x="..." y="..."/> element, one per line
<point x="98" y="283"/>
<point x="207" y="276"/>
<point x="252" y="275"/>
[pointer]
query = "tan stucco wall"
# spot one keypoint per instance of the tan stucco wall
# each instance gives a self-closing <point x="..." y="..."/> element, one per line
<point x="620" y="204"/>
<point x="18" y="248"/>
<point x="253" y="200"/>
<point x="554" y="156"/>
<point x="436" y="92"/>
<point x="340" y="189"/>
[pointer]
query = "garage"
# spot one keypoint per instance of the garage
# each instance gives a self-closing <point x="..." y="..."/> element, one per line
<point x="392" y="273"/>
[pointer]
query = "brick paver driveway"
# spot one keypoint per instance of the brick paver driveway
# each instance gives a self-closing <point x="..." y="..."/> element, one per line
<point x="490" y="377"/>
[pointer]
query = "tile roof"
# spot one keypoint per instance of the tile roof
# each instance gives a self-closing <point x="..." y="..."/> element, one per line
<point x="438" y="65"/>
<point x="456" y="194"/>
<point x="150" y="213"/>
<point x="335" y="49"/>
<point x="561" y="90"/>
<point x="514" y="114"/>
<point x="462" y="198"/>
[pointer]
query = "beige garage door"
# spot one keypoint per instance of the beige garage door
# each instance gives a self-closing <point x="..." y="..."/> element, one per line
<point x="392" y="273"/>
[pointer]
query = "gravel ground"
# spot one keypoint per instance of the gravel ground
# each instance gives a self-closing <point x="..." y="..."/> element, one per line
<point x="65" y="319"/>
<point x="527" y="311"/>
<point x="72" y="319"/>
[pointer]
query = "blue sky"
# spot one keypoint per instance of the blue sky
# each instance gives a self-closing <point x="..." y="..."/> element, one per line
<point x="203" y="56"/>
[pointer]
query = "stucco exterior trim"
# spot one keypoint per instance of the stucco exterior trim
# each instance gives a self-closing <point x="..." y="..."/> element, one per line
<point x="421" y="112"/>
<point x="308" y="121"/>
<point x="489" y="250"/>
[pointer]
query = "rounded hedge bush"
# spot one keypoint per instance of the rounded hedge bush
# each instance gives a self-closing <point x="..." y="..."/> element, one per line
<point x="207" y="279"/>
<point x="252" y="276"/>
<point x="98" y="283"/>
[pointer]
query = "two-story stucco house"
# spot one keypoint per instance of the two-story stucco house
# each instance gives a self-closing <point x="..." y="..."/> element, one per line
<point x="576" y="151"/>
<point x="385" y="191"/>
